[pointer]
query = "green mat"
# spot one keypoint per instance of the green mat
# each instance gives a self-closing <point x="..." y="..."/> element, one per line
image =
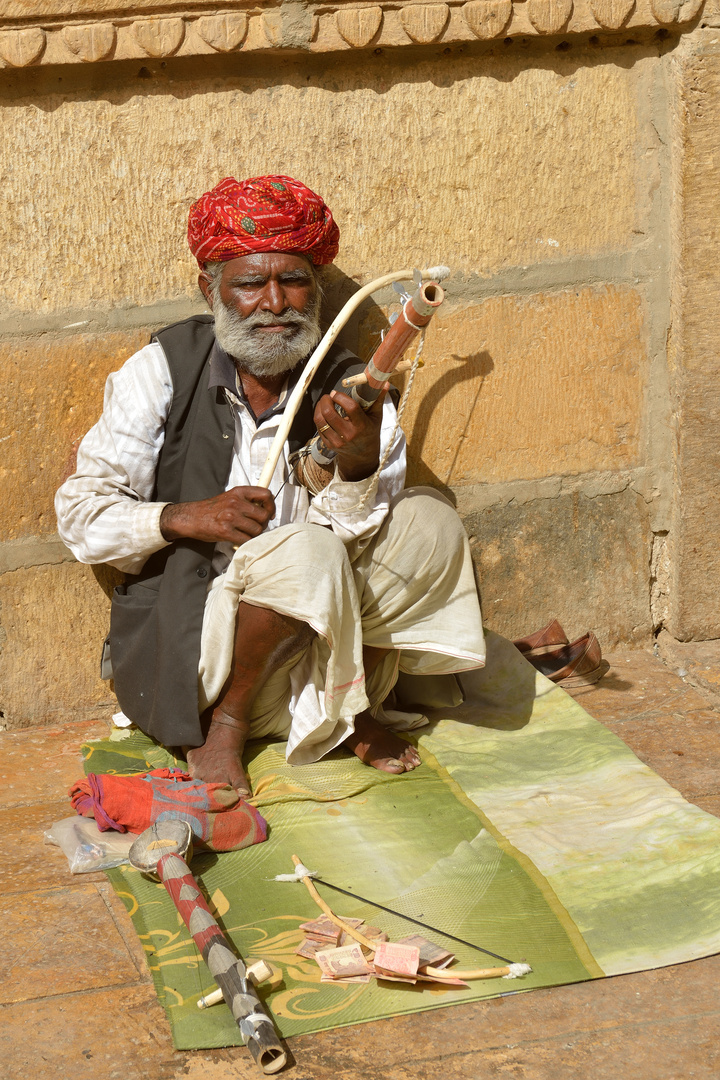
<point x="529" y="829"/>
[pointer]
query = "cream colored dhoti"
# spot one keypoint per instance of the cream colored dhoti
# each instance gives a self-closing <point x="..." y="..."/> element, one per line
<point x="411" y="591"/>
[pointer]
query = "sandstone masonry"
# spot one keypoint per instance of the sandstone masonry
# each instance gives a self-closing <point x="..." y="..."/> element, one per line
<point x="559" y="156"/>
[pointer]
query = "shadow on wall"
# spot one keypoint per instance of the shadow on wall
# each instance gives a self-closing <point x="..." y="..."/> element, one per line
<point x="377" y="71"/>
<point x="337" y="290"/>
<point x="362" y="335"/>
<point x="476" y="366"/>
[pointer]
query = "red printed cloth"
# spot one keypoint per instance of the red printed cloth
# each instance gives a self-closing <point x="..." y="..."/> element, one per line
<point x="219" y="818"/>
<point x="267" y="213"/>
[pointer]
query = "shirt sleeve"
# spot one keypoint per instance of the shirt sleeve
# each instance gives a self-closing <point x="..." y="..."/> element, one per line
<point x="104" y="510"/>
<point x="356" y="510"/>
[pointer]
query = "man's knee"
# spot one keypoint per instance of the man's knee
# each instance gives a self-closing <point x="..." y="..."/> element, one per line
<point x="428" y="511"/>
<point x="420" y="556"/>
<point x="314" y="545"/>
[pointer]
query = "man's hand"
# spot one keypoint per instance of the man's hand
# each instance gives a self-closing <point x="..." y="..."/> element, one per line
<point x="235" y="516"/>
<point x="356" y="437"/>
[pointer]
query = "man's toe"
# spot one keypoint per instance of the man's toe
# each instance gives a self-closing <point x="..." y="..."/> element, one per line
<point x="241" y="785"/>
<point x="410" y="758"/>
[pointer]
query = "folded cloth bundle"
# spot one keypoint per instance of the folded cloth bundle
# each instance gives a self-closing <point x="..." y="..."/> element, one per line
<point x="219" y="818"/>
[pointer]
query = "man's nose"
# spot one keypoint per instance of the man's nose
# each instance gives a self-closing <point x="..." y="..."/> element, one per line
<point x="273" y="298"/>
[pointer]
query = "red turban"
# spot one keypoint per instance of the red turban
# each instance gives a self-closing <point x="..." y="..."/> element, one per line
<point x="267" y="213"/>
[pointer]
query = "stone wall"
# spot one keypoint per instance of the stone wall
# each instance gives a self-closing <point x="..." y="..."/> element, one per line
<point x="694" y="539"/>
<point x="566" y="180"/>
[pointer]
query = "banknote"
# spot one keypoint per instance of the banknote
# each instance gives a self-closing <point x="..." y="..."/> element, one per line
<point x="341" y="963"/>
<point x="373" y="933"/>
<point x="346" y="979"/>
<point x="393" y="959"/>
<point x="326" y="928"/>
<point x="396" y="978"/>
<point x="310" y="946"/>
<point x="422" y="978"/>
<point x="430" y="953"/>
<point x="442" y="982"/>
<point x="345" y="939"/>
<point x="322" y="928"/>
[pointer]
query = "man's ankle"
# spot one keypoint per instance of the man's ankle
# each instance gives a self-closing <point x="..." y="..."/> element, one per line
<point x="224" y="719"/>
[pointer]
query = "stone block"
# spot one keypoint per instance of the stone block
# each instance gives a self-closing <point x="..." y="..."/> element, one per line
<point x="698" y="662"/>
<point x="53" y="620"/>
<point x="70" y="944"/>
<point x="52" y="395"/>
<point x="695" y="535"/>
<point x="523" y="387"/>
<point x="484" y="167"/>
<point x="121" y="29"/>
<point x="582" y="560"/>
<point x="58" y="747"/>
<point x="638" y="686"/>
<point x="683" y="748"/>
<point x="27" y="861"/>
<point x="21" y="9"/>
<point x="136" y="1047"/>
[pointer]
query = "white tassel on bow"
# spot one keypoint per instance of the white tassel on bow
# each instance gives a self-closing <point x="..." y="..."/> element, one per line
<point x="300" y="873"/>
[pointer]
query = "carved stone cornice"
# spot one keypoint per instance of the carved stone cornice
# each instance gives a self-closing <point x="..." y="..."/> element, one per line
<point x="35" y="32"/>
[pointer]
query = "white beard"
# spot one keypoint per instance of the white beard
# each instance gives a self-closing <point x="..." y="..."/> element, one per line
<point x="267" y="354"/>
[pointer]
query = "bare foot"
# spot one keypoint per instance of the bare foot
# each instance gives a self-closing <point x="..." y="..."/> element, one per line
<point x="382" y="749"/>
<point x="219" y="759"/>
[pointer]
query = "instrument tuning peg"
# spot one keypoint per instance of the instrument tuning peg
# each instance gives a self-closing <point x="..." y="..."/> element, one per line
<point x="399" y="287"/>
<point x="383" y="332"/>
<point x="417" y="277"/>
<point x="393" y="318"/>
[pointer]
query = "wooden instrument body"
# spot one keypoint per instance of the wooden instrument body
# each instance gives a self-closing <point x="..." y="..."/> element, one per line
<point x="314" y="465"/>
<point x="416" y="314"/>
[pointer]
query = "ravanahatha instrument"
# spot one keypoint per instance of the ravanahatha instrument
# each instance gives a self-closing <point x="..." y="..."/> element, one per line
<point x="314" y="464"/>
<point x="163" y="852"/>
<point x="416" y="314"/>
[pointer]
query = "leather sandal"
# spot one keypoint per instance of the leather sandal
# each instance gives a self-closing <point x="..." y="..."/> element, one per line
<point x="577" y="664"/>
<point x="542" y="641"/>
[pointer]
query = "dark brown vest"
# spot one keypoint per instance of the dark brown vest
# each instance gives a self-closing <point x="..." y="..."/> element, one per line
<point x="156" y="618"/>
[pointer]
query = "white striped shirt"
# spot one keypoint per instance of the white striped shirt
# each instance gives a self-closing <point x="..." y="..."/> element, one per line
<point x="104" y="510"/>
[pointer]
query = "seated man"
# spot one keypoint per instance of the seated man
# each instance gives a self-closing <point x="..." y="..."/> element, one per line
<point x="251" y="612"/>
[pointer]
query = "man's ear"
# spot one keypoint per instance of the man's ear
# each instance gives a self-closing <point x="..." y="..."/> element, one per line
<point x="204" y="282"/>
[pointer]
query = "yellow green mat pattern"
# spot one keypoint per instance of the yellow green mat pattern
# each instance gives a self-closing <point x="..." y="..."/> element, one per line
<point x="529" y="829"/>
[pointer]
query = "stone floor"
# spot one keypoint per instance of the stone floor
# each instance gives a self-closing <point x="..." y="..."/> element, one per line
<point x="76" y="999"/>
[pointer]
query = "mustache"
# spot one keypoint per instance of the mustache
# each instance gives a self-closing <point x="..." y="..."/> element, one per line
<point x="288" y="317"/>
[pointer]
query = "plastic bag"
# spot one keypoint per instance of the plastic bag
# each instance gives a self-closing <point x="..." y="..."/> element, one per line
<point x="85" y="847"/>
